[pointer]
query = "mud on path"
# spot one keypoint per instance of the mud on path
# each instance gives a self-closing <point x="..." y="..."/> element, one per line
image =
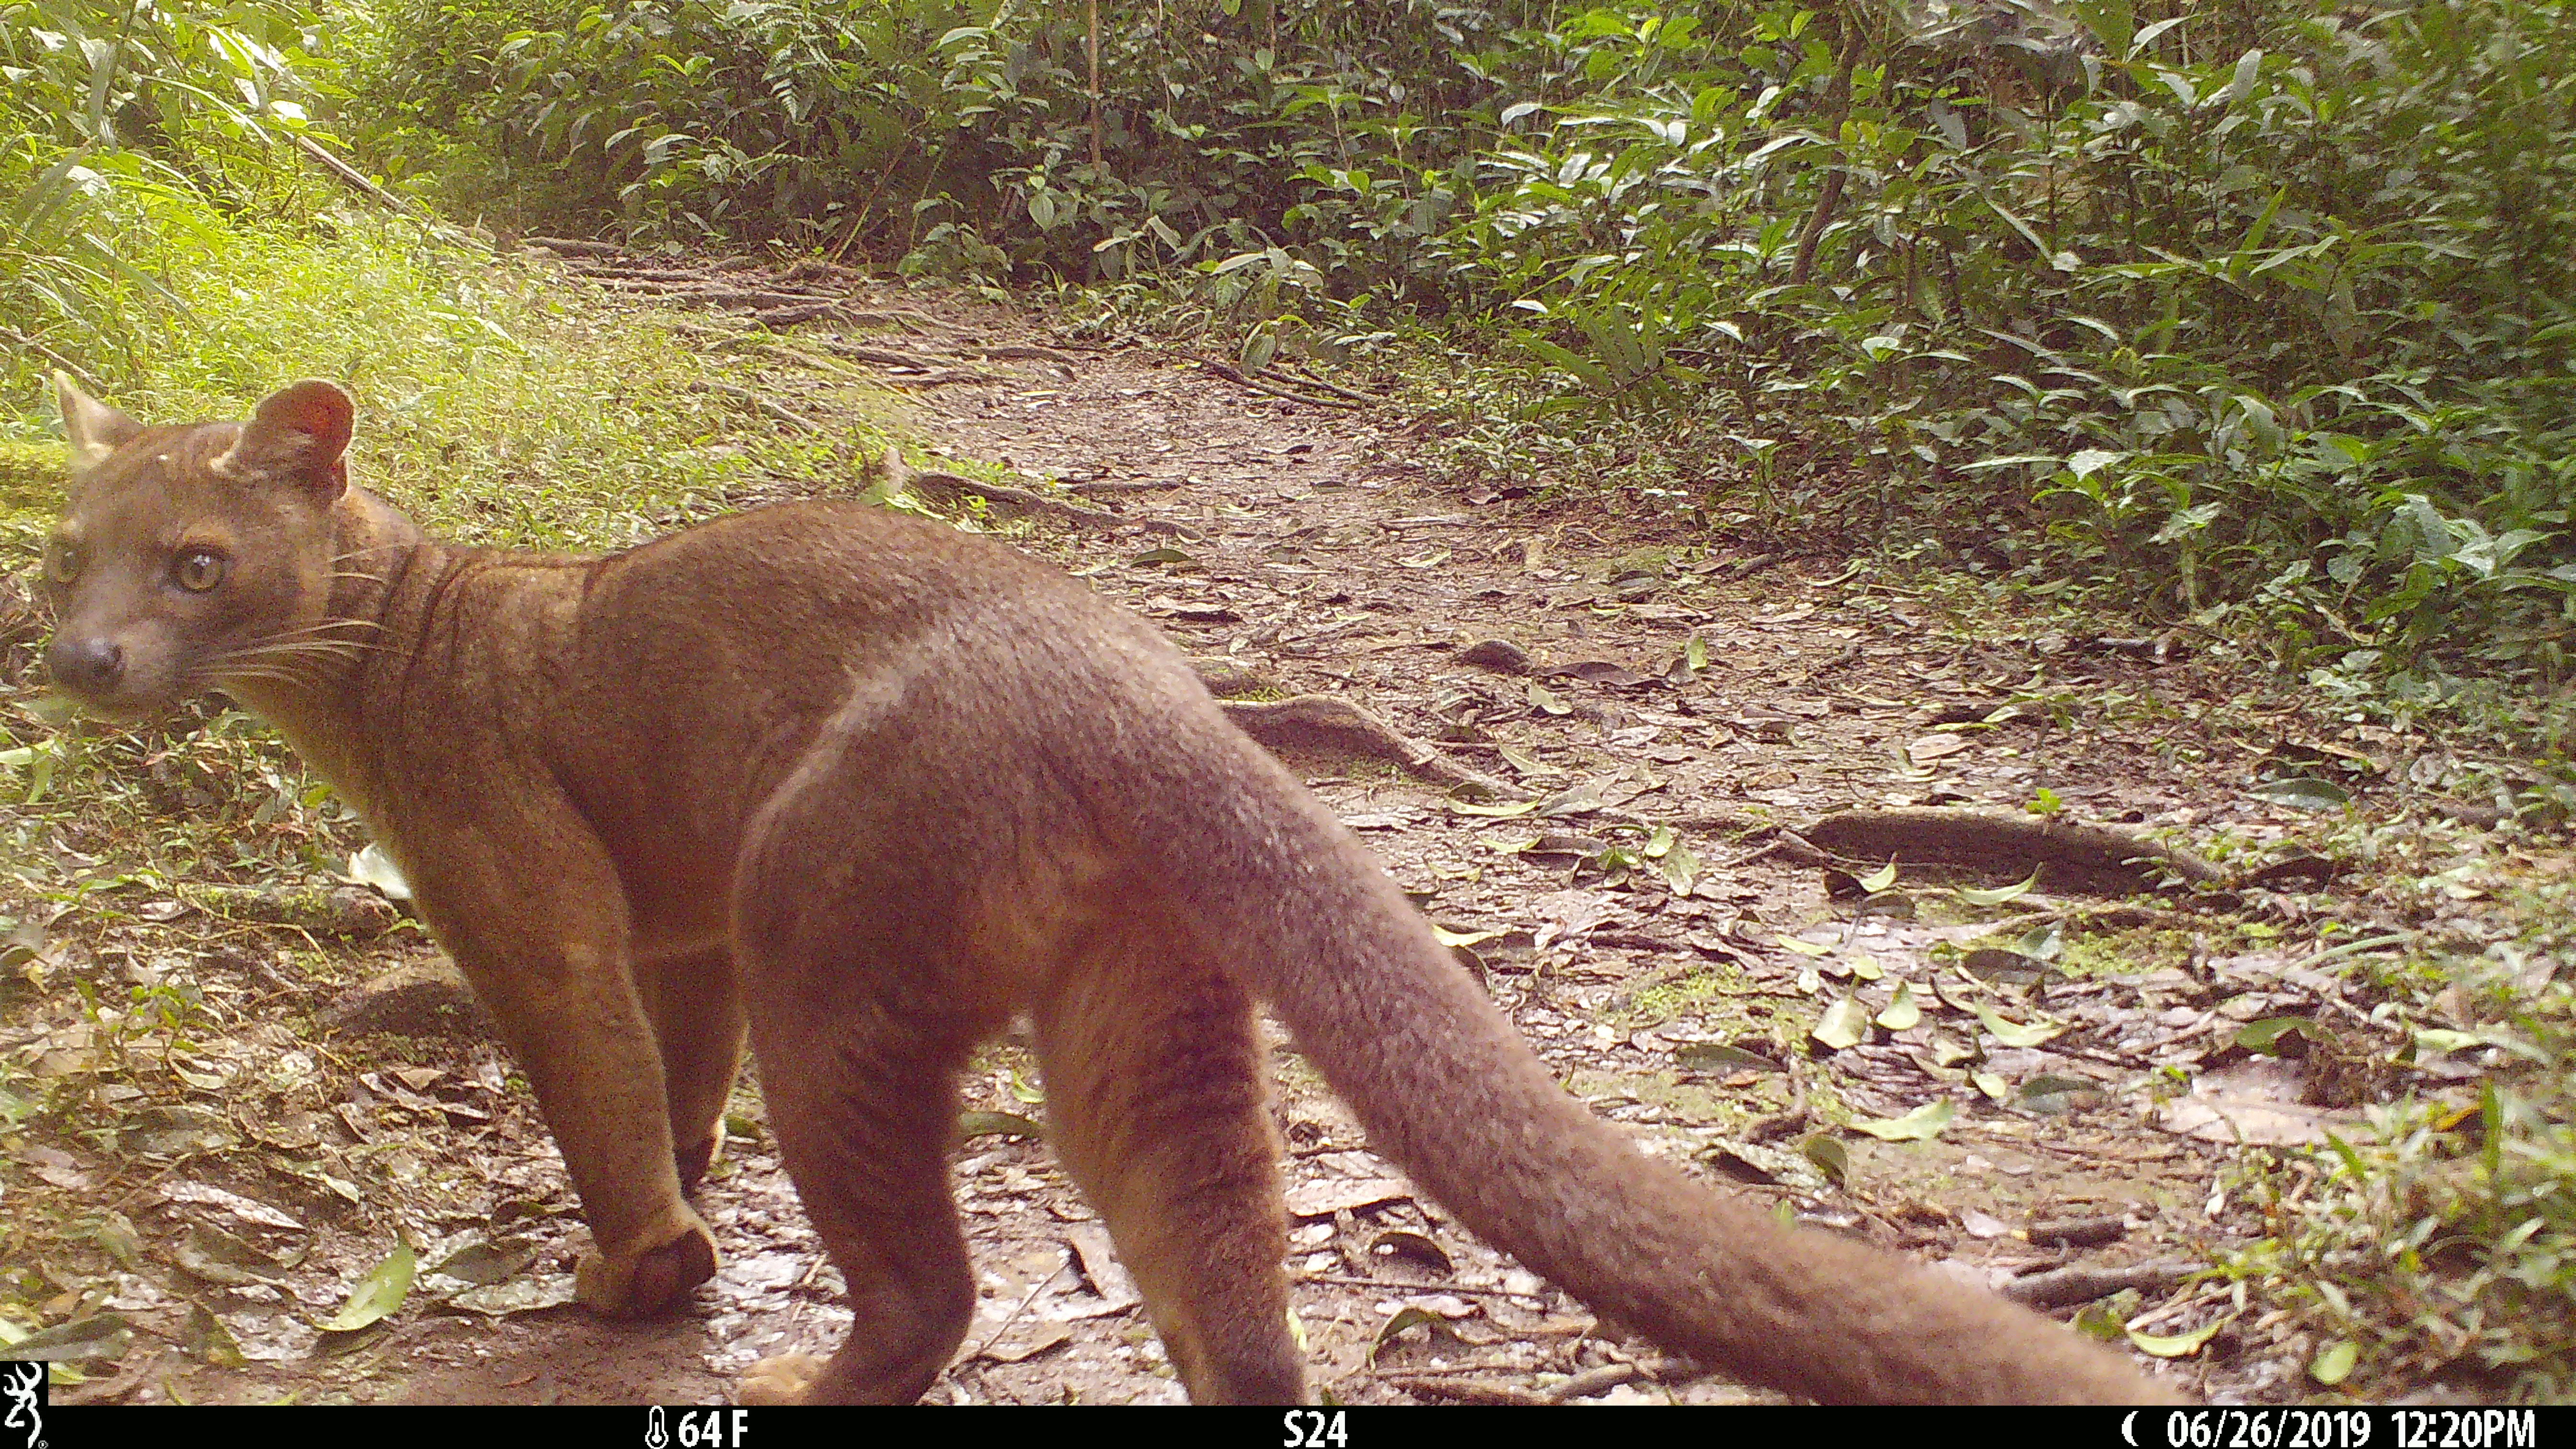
<point x="1659" y="709"/>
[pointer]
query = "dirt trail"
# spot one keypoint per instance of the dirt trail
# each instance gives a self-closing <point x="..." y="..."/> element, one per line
<point x="1667" y="951"/>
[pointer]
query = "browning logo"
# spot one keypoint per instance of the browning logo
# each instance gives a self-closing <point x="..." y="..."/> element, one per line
<point x="23" y="1388"/>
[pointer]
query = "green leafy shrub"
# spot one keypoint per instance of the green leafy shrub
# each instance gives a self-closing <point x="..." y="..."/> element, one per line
<point x="122" y="118"/>
<point x="2262" y="310"/>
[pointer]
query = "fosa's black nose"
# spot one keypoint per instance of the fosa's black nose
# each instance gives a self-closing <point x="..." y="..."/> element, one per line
<point x="86" y="666"/>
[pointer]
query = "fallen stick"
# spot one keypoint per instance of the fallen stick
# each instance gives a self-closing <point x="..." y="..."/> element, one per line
<point x="2067" y="856"/>
<point x="900" y="478"/>
<point x="1322" y="724"/>
<point x="776" y="410"/>
<point x="355" y="179"/>
<point x="1307" y="374"/>
<point x="883" y="356"/>
<point x="1120" y="485"/>
<point x="571" y="248"/>
<point x="1236" y="375"/>
<point x="2064" y="1286"/>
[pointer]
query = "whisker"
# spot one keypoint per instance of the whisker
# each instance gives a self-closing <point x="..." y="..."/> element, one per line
<point x="328" y="624"/>
<point x="235" y="676"/>
<point x="298" y="649"/>
<point x="290" y="653"/>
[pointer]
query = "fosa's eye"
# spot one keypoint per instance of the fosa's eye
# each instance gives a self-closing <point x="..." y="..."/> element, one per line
<point x="62" y="562"/>
<point x="198" y="570"/>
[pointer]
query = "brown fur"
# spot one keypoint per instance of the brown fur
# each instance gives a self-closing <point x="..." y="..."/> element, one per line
<point x="859" y="787"/>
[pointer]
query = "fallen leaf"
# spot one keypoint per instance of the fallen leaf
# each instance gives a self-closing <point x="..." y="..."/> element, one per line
<point x="1097" y="1257"/>
<point x="519" y="1295"/>
<point x="1399" y="1243"/>
<point x="205" y="1336"/>
<point x="2014" y="1034"/>
<point x="1920" y="1125"/>
<point x="1717" y="1056"/>
<point x="380" y="1292"/>
<point x="2265" y="1036"/>
<point x="217" y="1256"/>
<point x="999" y="1124"/>
<point x="1902" y="1013"/>
<point x="1845" y="1024"/>
<point x="486" y="1261"/>
<point x="2302" y="793"/>
<point x="1409" y="1316"/>
<point x="1983" y="1225"/>
<point x="249" y="1210"/>
<point x="2256" y="1101"/>
<point x="2180" y="1345"/>
<point x="1327" y="1196"/>
<point x="102" y="1335"/>
<point x="372" y="867"/>
<point x="1828" y="1155"/>
<point x="1999" y="894"/>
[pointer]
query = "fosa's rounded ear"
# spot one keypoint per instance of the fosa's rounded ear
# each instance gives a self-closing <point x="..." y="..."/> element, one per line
<point x="299" y="431"/>
<point x="95" y="429"/>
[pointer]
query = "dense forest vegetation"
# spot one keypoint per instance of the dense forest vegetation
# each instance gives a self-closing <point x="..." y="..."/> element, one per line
<point x="2254" y="320"/>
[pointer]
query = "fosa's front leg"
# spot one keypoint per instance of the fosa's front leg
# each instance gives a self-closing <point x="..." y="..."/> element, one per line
<point x="694" y="1001"/>
<point x="542" y="935"/>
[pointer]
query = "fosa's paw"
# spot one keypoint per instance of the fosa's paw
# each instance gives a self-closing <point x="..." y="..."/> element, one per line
<point x="649" y="1282"/>
<point x="694" y="1159"/>
<point x="779" y="1380"/>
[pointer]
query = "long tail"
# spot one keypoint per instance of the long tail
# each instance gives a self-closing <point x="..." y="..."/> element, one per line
<point x="1447" y="1089"/>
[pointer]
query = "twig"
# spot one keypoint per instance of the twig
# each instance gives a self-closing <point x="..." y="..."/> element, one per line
<point x="777" y="410"/>
<point x="1014" y="1315"/>
<point x="1839" y="98"/>
<point x="900" y="478"/>
<point x="2079" y="1284"/>
<point x="1390" y="1285"/>
<point x="881" y="356"/>
<point x="1454" y="1384"/>
<point x="1468" y="1391"/>
<point x="1307" y="374"/>
<point x="1018" y="352"/>
<point x="571" y="248"/>
<point x="1092" y="14"/>
<point x="1235" y="374"/>
<point x="2067" y="855"/>
<point x="1324" y="723"/>
<point x="1119" y="485"/>
<point x="2080" y="1232"/>
<point x="1592" y="1381"/>
<point x="2207" y="1295"/>
<point x="357" y="180"/>
<point x="79" y="373"/>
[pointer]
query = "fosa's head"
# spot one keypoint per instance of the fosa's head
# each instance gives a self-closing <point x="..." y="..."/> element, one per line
<point x="195" y="556"/>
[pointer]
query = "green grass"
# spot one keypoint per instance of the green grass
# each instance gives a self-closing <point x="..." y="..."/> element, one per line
<point x="31" y="489"/>
<point x="497" y="400"/>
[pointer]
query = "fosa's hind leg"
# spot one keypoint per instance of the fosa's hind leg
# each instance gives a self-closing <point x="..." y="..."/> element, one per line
<point x="864" y="1125"/>
<point x="1154" y="1081"/>
<point x="844" y="974"/>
